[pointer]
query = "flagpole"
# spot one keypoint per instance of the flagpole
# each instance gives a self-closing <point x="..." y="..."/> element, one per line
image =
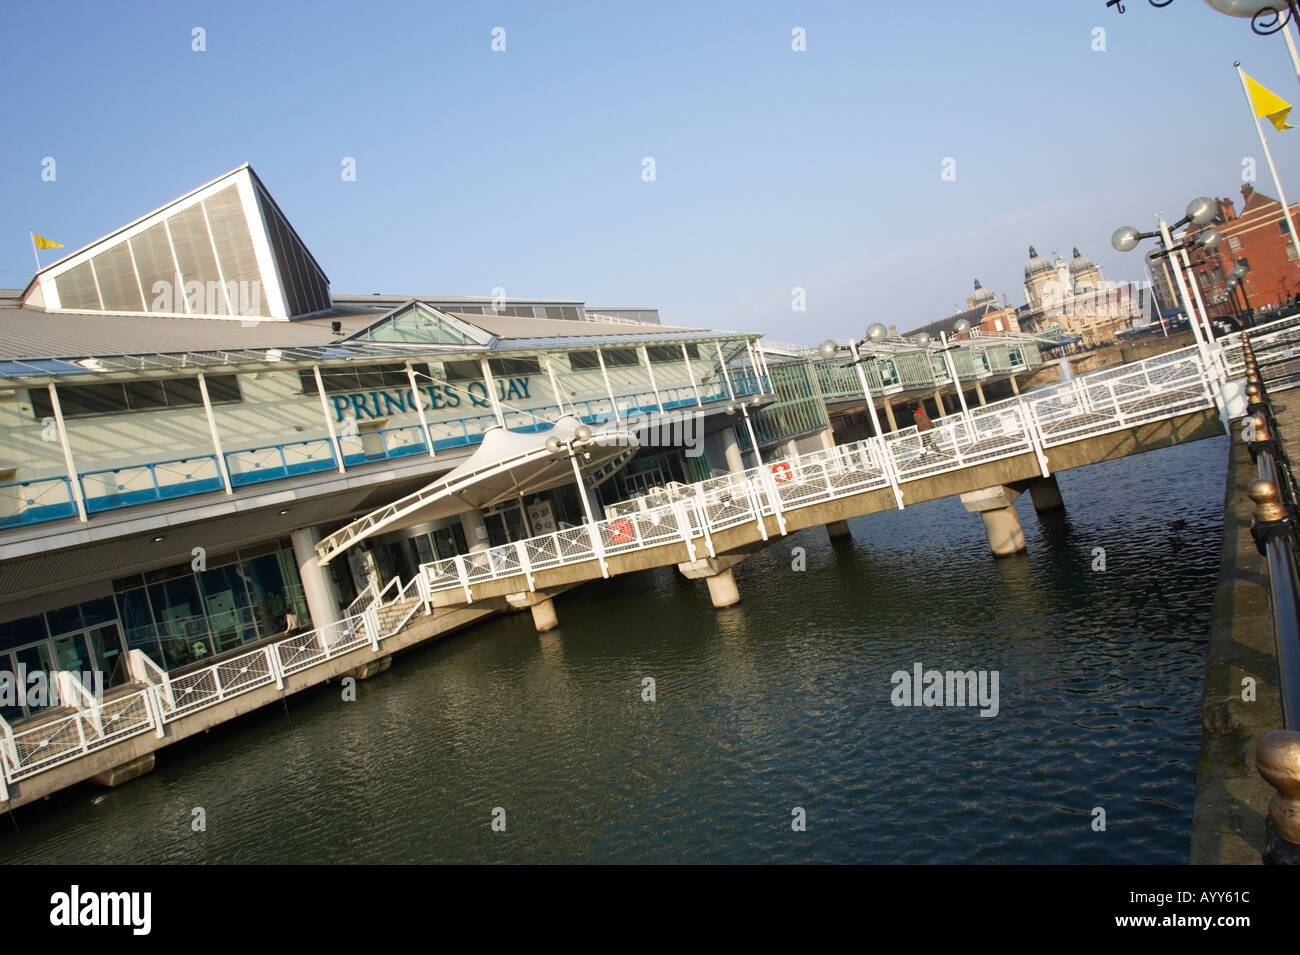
<point x="32" y="235"/>
<point x="1268" y="155"/>
<point x="1290" y="45"/>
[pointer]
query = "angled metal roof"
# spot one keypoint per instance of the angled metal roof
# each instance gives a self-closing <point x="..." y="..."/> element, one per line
<point x="223" y="249"/>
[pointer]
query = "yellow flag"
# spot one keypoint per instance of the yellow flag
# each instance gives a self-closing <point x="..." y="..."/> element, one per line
<point x="44" y="243"/>
<point x="1268" y="105"/>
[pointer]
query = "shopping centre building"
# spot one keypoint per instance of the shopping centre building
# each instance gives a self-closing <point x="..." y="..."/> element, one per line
<point x="187" y="410"/>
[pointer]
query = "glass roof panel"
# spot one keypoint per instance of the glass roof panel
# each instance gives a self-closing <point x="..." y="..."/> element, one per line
<point x="417" y="324"/>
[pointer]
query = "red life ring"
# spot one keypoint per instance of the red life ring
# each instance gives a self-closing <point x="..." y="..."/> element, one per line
<point x="621" y="531"/>
<point x="781" y="471"/>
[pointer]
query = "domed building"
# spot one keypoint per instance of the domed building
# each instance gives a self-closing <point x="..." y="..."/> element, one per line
<point x="981" y="297"/>
<point x="1075" y="298"/>
<point x="1084" y="274"/>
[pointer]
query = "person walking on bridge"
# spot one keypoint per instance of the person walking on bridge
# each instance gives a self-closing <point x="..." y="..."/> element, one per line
<point x="924" y="424"/>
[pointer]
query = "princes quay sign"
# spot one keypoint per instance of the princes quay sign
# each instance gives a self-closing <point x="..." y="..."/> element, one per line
<point x="380" y="404"/>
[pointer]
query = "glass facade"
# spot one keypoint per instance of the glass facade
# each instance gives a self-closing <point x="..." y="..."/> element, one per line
<point x="798" y="409"/>
<point x="177" y="616"/>
<point x="183" y="614"/>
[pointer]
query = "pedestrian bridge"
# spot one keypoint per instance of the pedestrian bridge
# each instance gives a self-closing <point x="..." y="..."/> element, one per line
<point x="988" y="456"/>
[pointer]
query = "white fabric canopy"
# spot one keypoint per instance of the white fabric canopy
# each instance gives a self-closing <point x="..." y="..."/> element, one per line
<point x="505" y="466"/>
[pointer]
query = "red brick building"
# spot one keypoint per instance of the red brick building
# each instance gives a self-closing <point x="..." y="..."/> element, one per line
<point x="1259" y="235"/>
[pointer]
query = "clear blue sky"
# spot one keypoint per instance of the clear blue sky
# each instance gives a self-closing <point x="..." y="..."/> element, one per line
<point x="522" y="169"/>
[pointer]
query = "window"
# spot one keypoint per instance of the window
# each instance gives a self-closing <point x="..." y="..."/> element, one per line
<point x="1234" y="243"/>
<point x="78" y="401"/>
<point x="514" y="366"/>
<point x="347" y="379"/>
<point x="666" y="353"/>
<point x="614" y="358"/>
<point x="461" y="370"/>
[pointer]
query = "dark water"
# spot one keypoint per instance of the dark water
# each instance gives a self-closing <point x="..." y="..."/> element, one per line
<point x="780" y="702"/>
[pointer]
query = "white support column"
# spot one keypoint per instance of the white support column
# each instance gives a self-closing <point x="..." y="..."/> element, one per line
<point x="702" y="516"/>
<point x="524" y="564"/>
<point x="886" y="460"/>
<point x="555" y="385"/>
<point x="419" y="407"/>
<point x="216" y="438"/>
<point x="753" y="438"/>
<point x="731" y="392"/>
<point x="753" y="363"/>
<point x="317" y="586"/>
<point x="609" y="389"/>
<point x="684" y="525"/>
<point x="690" y="371"/>
<point x="74" y="483"/>
<point x="329" y="422"/>
<point x="762" y="365"/>
<point x="491" y="385"/>
<point x="952" y="370"/>
<point x="475" y="528"/>
<point x="731" y="450"/>
<point x="654" y="386"/>
<point x="461" y="573"/>
<point x="773" y="493"/>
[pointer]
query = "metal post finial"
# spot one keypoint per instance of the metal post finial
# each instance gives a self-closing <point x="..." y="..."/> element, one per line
<point x="1265" y="495"/>
<point x="1277" y="758"/>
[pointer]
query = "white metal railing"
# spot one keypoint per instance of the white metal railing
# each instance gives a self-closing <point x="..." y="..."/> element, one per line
<point x="43" y="743"/>
<point x="1113" y="399"/>
<point x="144" y="670"/>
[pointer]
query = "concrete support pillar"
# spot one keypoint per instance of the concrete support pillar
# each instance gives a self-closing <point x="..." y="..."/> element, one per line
<point x="1046" y="494"/>
<point x="938" y="403"/>
<point x="979" y="393"/>
<point x="126" y="772"/>
<point x="889" y="414"/>
<point x="1015" y="388"/>
<point x="542" y="606"/>
<point x="838" y="530"/>
<point x="476" y="532"/>
<point x="716" y="572"/>
<point x="731" y="448"/>
<point x="544" y="617"/>
<point x="722" y="589"/>
<point x="827" y="438"/>
<point x="317" y="585"/>
<point x="996" y="506"/>
<point x="371" y="668"/>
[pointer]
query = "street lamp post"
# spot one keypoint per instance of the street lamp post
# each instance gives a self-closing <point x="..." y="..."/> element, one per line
<point x="1239" y="272"/>
<point x="961" y="328"/>
<point x="828" y="350"/>
<point x="581" y="441"/>
<point x="1266" y="17"/>
<point x="753" y="438"/>
<point x="1200" y="211"/>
